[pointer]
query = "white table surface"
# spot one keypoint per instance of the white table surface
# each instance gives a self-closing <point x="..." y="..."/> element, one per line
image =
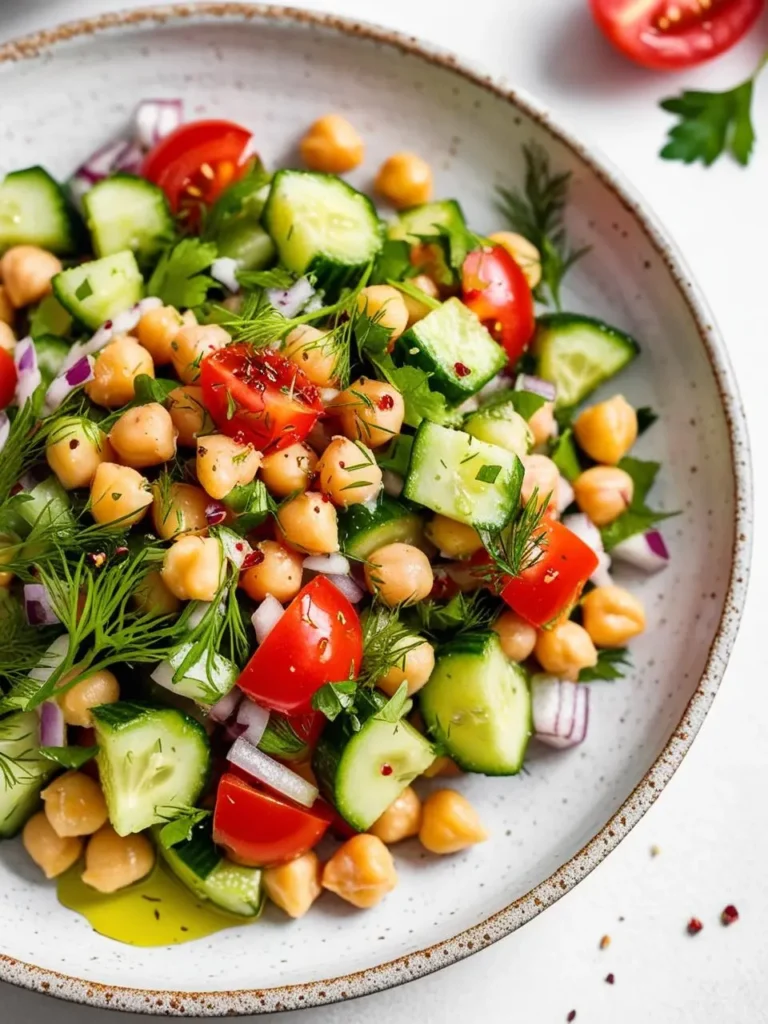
<point x="710" y="825"/>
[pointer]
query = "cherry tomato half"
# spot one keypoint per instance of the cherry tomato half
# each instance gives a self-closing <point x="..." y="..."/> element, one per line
<point x="8" y="378"/>
<point x="494" y="287"/>
<point x="259" y="829"/>
<point x="318" y="640"/>
<point x="551" y="586"/>
<point x="259" y="396"/>
<point x="195" y="163"/>
<point x="670" y="34"/>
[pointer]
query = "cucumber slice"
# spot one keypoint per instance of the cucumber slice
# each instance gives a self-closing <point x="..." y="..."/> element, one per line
<point x="578" y="354"/>
<point x="249" y="244"/>
<point x="97" y="291"/>
<point x="349" y="764"/>
<point x="150" y="760"/>
<point x="477" y="704"/>
<point x="20" y="792"/>
<point x="126" y="212"/>
<point x="321" y="225"/>
<point x="35" y="211"/>
<point x="205" y="681"/>
<point x="428" y="219"/>
<point x="502" y="425"/>
<point x="363" y="530"/>
<point x="463" y="478"/>
<point x="51" y="353"/>
<point x="48" y="503"/>
<point x="50" y="317"/>
<point x="199" y="865"/>
<point x="452" y="345"/>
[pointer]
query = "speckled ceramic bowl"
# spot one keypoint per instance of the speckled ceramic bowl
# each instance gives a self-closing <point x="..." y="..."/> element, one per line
<point x="61" y="94"/>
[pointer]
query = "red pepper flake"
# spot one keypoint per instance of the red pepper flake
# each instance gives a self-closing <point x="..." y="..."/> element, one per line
<point x="610" y="978"/>
<point x="326" y="499"/>
<point x="387" y="769"/>
<point x="729" y="915"/>
<point x="694" y="926"/>
<point x="342" y="465"/>
<point x="462" y="370"/>
<point x="571" y="1016"/>
<point x="107" y="325"/>
<point x="386" y="402"/>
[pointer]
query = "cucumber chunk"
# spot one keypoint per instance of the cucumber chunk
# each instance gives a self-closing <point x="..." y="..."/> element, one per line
<point x="321" y="225"/>
<point x="35" y="211"/>
<point x="20" y="793"/>
<point x="50" y="317"/>
<point x="97" y="291"/>
<point x="126" y="212"/>
<point x="478" y="705"/>
<point x="150" y="760"/>
<point x="463" y="478"/>
<point x="578" y="354"/>
<point x="428" y="219"/>
<point x="363" y="530"/>
<point x="234" y="224"/>
<point x="48" y="503"/>
<point x="502" y="425"/>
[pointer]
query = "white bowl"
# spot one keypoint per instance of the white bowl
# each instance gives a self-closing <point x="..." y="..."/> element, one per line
<point x="61" y="95"/>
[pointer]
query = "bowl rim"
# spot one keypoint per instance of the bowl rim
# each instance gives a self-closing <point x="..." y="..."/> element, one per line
<point x="417" y="964"/>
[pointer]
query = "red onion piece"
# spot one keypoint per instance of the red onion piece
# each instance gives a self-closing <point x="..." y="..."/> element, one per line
<point x="545" y="388"/>
<point x="53" y="731"/>
<point x="215" y="513"/>
<point x="154" y="119"/>
<point x="560" y="711"/>
<point x="266" y="617"/>
<point x="349" y="587"/>
<point x="224" y="270"/>
<point x="255" y="720"/>
<point x="273" y="774"/>
<point x="646" y="551"/>
<point x="67" y="381"/>
<point x="226" y="707"/>
<point x="5" y="428"/>
<point x="335" y="564"/>
<point x="392" y="483"/>
<point x="38" y="607"/>
<point x="290" y="301"/>
<point x="28" y="374"/>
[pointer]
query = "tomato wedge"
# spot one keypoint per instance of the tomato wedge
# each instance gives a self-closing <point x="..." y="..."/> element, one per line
<point x="259" y="397"/>
<point x="494" y="287"/>
<point x="8" y="378"/>
<point x="550" y="587"/>
<point x="318" y="640"/>
<point x="259" y="829"/>
<point x="671" y="34"/>
<point x="196" y="162"/>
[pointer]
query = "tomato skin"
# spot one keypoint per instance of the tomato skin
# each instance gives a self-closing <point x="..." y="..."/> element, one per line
<point x="260" y="829"/>
<point x="275" y="405"/>
<point x="318" y="640"/>
<point x="551" y="586"/>
<point x="8" y="378"/>
<point x="494" y="287"/>
<point x="646" y="34"/>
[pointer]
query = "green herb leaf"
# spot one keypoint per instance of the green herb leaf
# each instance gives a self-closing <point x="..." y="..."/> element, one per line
<point x="333" y="698"/>
<point x="178" y="278"/>
<point x="464" y="613"/>
<point x="525" y="403"/>
<point x="275" y="278"/>
<point x="152" y="389"/>
<point x="281" y="740"/>
<point x="253" y="504"/>
<point x="421" y="403"/>
<point x="638" y="518"/>
<point x="611" y="664"/>
<point x="520" y="545"/>
<point x="646" y="417"/>
<point x="565" y="455"/>
<point x="181" y="822"/>
<point x="487" y="474"/>
<point x="397" y="454"/>
<point x="387" y="642"/>
<point x="393" y="262"/>
<point x="69" y="757"/>
<point x="394" y="708"/>
<point x="410" y="289"/>
<point x="84" y="290"/>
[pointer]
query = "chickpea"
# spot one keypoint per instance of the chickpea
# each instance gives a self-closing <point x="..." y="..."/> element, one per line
<point x="144" y="436"/>
<point x="179" y="509"/>
<point x="27" y="272"/>
<point x="113" y="862"/>
<point x="451" y="538"/>
<point x="277" y="572"/>
<point x="361" y="871"/>
<point x="9" y="543"/>
<point x="116" y="368"/>
<point x="541" y="474"/>
<point x="370" y="411"/>
<point x="314" y="352"/>
<point x="414" y="668"/>
<point x="332" y="145"/>
<point x="399" y="574"/>
<point x="99" y="688"/>
<point x="603" y="493"/>
<point x="543" y="424"/>
<point x="565" y="649"/>
<point x="7" y="338"/>
<point x="52" y="854"/>
<point x="193" y="568"/>
<point x="442" y="768"/>
<point x="189" y="415"/>
<point x="152" y="597"/>
<point x="74" y="805"/>
<point x="308" y="523"/>
<point x="349" y="474"/>
<point x="157" y="329"/>
<point x="418" y="310"/>
<point x="404" y="179"/>
<point x="612" y="616"/>
<point x="294" y="886"/>
<point x="75" y="449"/>
<point x="192" y="344"/>
<point x="119" y="493"/>
<point x="7" y="308"/>
<point x="401" y="820"/>
<point x="450" y="823"/>
<point x="386" y="304"/>
<point x="608" y="430"/>
<point x="518" y="637"/>
<point x="223" y="464"/>
<point x="524" y="253"/>
<point x="289" y="470"/>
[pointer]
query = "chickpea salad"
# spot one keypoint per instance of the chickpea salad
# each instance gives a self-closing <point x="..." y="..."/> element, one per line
<point x="302" y="501"/>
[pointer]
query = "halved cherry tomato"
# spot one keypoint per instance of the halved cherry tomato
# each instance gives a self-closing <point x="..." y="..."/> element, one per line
<point x="494" y="287"/>
<point x="551" y="586"/>
<point x="318" y="640"/>
<point x="8" y="378"/>
<point x="195" y="163"/>
<point x="260" y="829"/>
<point x="259" y="396"/>
<point x="670" y="34"/>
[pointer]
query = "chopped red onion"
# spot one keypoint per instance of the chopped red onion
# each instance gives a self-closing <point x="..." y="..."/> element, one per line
<point x="235" y="547"/>
<point x="500" y="382"/>
<point x="266" y="617"/>
<point x="5" y="428"/>
<point x="28" y="374"/>
<point x="349" y="587"/>
<point x="545" y="388"/>
<point x="224" y="270"/>
<point x="66" y="382"/>
<point x="38" y="607"/>
<point x="53" y="730"/>
<point x="254" y="718"/>
<point x="273" y="774"/>
<point x="226" y="707"/>
<point x="601" y="577"/>
<point x="646" y="551"/>
<point x="215" y="513"/>
<point x="335" y="564"/>
<point x="392" y="483"/>
<point x="291" y="301"/>
<point x="154" y="119"/>
<point x="560" y="711"/>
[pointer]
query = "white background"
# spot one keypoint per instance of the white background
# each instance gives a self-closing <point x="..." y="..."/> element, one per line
<point x="710" y="824"/>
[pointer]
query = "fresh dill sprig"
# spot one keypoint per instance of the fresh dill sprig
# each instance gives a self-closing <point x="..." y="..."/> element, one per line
<point x="537" y="213"/>
<point x="180" y="823"/>
<point x="21" y="645"/>
<point x="387" y="642"/>
<point x="277" y="277"/>
<point x="464" y="613"/>
<point x="20" y="761"/>
<point x="520" y="545"/>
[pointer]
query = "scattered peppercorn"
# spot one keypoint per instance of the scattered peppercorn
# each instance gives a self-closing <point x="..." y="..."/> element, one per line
<point x="605" y="942"/>
<point x="694" y="926"/>
<point x="610" y="978"/>
<point x="386" y="402"/>
<point x="462" y="370"/>
<point x="729" y="915"/>
<point x="571" y="1016"/>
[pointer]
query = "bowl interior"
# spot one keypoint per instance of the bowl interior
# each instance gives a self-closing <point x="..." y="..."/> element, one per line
<point x="277" y="77"/>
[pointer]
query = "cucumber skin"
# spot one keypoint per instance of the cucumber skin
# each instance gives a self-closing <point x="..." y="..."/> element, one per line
<point x="358" y="523"/>
<point x="336" y="735"/>
<point x="151" y="244"/>
<point x="74" y="236"/>
<point x="26" y="794"/>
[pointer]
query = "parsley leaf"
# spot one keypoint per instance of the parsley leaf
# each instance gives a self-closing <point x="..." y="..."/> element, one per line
<point x="646" y="417"/>
<point x="394" y="709"/>
<point x="487" y="474"/>
<point x="638" y="518"/>
<point x="178" y="278"/>
<point x="421" y="403"/>
<point x="333" y="698"/>
<point x="252" y="503"/>
<point x="181" y="822"/>
<point x="393" y="262"/>
<point x="69" y="757"/>
<point x="397" y="455"/>
<point x="610" y="665"/>
<point x="565" y="455"/>
<point x="151" y="389"/>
